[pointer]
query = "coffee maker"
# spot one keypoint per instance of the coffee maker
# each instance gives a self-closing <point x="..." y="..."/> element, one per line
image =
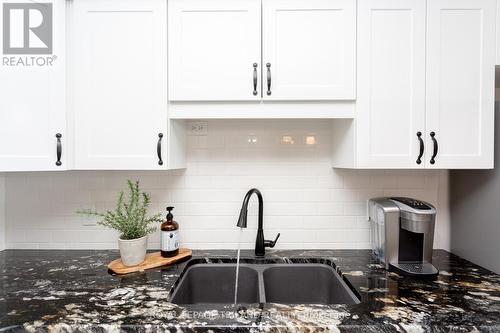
<point x="402" y="231"/>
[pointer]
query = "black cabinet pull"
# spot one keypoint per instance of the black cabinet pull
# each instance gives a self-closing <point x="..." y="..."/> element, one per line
<point x="433" y="137"/>
<point x="59" y="149"/>
<point x="255" y="79"/>
<point x="421" y="152"/>
<point x="158" y="148"/>
<point x="268" y="65"/>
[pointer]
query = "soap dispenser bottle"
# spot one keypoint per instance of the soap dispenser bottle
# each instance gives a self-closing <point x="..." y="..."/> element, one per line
<point x="169" y="236"/>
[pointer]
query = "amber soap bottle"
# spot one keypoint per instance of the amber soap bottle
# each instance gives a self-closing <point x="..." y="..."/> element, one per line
<point x="169" y="236"/>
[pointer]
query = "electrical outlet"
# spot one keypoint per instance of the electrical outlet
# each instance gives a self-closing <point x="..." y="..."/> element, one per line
<point x="198" y="128"/>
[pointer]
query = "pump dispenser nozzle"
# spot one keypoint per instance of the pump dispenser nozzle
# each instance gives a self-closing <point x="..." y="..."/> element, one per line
<point x="170" y="216"/>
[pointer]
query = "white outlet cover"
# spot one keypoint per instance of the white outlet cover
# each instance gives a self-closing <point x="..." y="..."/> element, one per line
<point x="197" y="128"/>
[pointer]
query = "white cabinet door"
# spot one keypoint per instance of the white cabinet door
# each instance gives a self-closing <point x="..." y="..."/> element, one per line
<point x="460" y="83"/>
<point x="309" y="49"/>
<point x="390" y="104"/>
<point x="119" y="83"/>
<point x="214" y="50"/>
<point x="32" y="87"/>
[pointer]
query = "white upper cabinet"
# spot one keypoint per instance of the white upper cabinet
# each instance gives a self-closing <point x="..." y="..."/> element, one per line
<point x="309" y="49"/>
<point x="426" y="78"/>
<point x="32" y="90"/>
<point x="460" y="83"/>
<point x="214" y="50"/>
<point x="120" y="53"/>
<point x="245" y="50"/>
<point x="391" y="83"/>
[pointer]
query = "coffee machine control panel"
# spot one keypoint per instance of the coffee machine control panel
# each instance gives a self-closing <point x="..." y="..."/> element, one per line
<point x="413" y="203"/>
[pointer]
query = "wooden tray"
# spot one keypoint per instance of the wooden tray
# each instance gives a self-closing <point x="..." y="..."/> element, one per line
<point x="152" y="260"/>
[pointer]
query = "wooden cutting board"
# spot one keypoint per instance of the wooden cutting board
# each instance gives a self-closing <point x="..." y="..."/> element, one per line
<point x="152" y="260"/>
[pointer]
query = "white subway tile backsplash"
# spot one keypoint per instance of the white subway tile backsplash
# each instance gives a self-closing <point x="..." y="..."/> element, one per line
<point x="341" y="236"/>
<point x="364" y="195"/>
<point x="198" y="182"/>
<point x="58" y="180"/>
<point x="311" y="204"/>
<point x="211" y="209"/>
<point x="411" y="182"/>
<point x="306" y="195"/>
<point x="211" y="142"/>
<point x="87" y="246"/>
<point x="207" y="222"/>
<point x="362" y="222"/>
<point x="332" y="182"/>
<point x="384" y="181"/>
<point x="15" y="235"/>
<point x="39" y="236"/>
<point x="24" y="246"/>
<point x="180" y="196"/>
<point x="357" y="181"/>
<point x="356" y="208"/>
<point x="343" y="195"/>
<point x="89" y="182"/>
<point x="88" y="236"/>
<point x="329" y="222"/>
<point x="76" y="196"/>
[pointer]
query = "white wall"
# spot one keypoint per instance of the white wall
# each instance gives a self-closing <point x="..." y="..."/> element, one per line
<point x="474" y="209"/>
<point x="2" y="212"/>
<point x="311" y="204"/>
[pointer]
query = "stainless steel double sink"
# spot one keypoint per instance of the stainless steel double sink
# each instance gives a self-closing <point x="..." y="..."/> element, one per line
<point x="262" y="283"/>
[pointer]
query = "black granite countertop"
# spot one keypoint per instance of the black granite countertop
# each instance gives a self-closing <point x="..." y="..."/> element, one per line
<point x="71" y="291"/>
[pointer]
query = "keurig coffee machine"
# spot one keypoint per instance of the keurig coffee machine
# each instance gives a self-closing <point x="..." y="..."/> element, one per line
<point x="403" y="234"/>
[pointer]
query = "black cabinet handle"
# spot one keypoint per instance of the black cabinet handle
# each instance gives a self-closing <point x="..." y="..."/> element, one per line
<point x="421" y="153"/>
<point x="255" y="79"/>
<point x="59" y="149"/>
<point x="158" y="148"/>
<point x="433" y="137"/>
<point x="268" y="65"/>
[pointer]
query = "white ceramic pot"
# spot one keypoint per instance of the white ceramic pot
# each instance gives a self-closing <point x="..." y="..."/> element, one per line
<point x="133" y="251"/>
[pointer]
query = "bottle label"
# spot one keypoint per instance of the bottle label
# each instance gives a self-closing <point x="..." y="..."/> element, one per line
<point x="169" y="240"/>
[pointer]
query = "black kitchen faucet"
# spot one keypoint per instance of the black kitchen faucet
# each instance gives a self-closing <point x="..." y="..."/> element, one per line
<point x="260" y="243"/>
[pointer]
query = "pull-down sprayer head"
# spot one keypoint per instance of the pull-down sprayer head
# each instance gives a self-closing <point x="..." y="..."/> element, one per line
<point x="242" y="220"/>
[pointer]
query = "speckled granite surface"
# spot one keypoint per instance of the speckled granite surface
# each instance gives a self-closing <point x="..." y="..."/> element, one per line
<point x="71" y="291"/>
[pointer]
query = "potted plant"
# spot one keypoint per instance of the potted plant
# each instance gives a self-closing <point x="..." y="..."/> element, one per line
<point x="131" y="221"/>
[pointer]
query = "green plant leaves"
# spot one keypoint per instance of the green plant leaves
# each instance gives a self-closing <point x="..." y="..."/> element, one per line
<point x="129" y="217"/>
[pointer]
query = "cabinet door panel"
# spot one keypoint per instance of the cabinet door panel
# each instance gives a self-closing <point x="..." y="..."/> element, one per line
<point x="391" y="82"/>
<point x="311" y="47"/>
<point x="32" y="102"/>
<point x="460" y="82"/>
<point x="120" y="83"/>
<point x="212" y="48"/>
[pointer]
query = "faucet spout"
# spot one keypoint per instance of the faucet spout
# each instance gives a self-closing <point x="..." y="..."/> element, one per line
<point x="260" y="242"/>
<point x="242" y="220"/>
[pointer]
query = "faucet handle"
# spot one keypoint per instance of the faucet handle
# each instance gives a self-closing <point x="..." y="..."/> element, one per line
<point x="271" y="244"/>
